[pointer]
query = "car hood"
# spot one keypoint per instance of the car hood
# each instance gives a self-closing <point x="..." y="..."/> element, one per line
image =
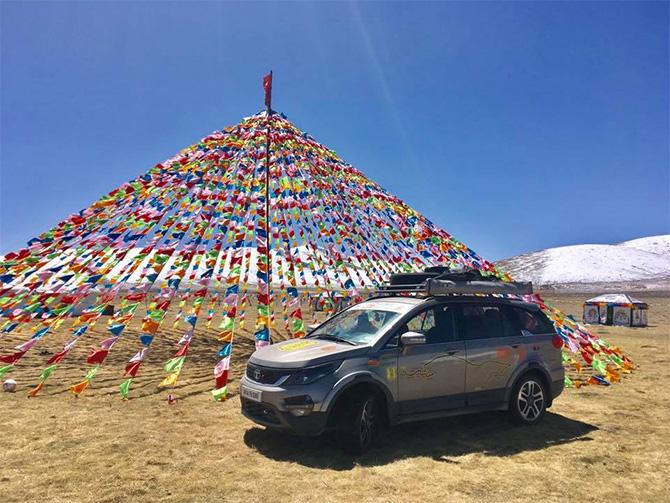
<point x="298" y="353"/>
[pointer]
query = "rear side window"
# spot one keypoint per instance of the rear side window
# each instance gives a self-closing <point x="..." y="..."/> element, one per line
<point x="530" y="322"/>
<point x="481" y="321"/>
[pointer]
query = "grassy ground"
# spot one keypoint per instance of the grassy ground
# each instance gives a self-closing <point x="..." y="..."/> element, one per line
<point x="596" y="443"/>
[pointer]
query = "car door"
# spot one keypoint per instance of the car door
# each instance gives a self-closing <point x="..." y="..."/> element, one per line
<point x="492" y="348"/>
<point x="431" y="376"/>
<point x="538" y="339"/>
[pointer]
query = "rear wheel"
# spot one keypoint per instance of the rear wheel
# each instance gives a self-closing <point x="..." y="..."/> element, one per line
<point x="359" y="423"/>
<point x="528" y="401"/>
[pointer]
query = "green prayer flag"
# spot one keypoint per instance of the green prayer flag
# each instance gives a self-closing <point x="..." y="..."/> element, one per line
<point x="174" y="364"/>
<point x="91" y="373"/>
<point x="5" y="369"/>
<point x="62" y="310"/>
<point x="598" y="366"/>
<point x="161" y="259"/>
<point x="48" y="371"/>
<point x="219" y="394"/>
<point x="124" y="387"/>
<point x="616" y="360"/>
<point x="227" y="323"/>
<point x="32" y="307"/>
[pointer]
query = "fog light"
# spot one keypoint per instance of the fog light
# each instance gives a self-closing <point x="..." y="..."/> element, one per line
<point x="299" y="405"/>
<point x="299" y="411"/>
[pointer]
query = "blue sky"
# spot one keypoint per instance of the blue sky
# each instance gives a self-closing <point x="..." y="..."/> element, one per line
<point x="515" y="126"/>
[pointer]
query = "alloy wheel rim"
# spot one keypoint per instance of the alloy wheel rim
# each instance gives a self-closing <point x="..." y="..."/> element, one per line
<point x="530" y="400"/>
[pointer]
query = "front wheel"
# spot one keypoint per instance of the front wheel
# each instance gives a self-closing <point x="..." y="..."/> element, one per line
<point x="528" y="401"/>
<point x="359" y="424"/>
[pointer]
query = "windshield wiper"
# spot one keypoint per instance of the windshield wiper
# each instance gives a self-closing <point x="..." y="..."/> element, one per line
<point x="330" y="337"/>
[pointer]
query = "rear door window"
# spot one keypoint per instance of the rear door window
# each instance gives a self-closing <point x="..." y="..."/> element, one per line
<point x="481" y="321"/>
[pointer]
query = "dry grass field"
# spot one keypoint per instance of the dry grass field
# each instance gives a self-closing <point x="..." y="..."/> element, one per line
<point x="596" y="443"/>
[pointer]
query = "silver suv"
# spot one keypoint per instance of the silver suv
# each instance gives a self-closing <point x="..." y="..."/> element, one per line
<point x="399" y="358"/>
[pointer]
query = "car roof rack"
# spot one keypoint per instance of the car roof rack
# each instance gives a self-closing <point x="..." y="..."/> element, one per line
<point x="432" y="287"/>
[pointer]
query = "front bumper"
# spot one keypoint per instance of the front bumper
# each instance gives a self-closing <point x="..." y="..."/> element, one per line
<point x="269" y="416"/>
<point x="273" y="412"/>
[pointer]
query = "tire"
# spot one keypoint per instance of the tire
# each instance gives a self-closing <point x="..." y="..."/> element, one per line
<point x="528" y="401"/>
<point x="359" y="423"/>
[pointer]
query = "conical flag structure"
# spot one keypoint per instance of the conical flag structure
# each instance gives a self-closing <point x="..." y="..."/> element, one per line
<point x="258" y="209"/>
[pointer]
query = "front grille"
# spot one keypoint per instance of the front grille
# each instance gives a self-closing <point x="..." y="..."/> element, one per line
<point x="264" y="375"/>
<point x="263" y="412"/>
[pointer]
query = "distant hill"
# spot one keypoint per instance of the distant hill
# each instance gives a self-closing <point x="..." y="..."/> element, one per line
<point x="639" y="264"/>
<point x="653" y="244"/>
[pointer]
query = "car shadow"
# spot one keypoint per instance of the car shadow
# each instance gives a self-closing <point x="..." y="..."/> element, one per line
<point x="443" y="440"/>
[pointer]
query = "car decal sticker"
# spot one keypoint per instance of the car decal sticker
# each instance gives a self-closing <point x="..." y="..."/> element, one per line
<point x="295" y="346"/>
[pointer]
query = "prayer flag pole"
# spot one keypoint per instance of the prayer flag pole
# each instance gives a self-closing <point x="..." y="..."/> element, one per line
<point x="267" y="86"/>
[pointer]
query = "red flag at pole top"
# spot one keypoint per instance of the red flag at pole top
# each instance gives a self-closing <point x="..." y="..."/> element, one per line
<point x="267" y="86"/>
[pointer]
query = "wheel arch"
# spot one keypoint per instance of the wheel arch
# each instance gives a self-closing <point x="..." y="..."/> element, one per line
<point x="360" y="384"/>
<point x="532" y="368"/>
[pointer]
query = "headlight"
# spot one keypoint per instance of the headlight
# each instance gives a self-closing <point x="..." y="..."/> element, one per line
<point x="308" y="376"/>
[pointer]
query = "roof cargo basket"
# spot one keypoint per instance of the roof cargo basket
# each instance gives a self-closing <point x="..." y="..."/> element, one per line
<point x="440" y="280"/>
<point x="446" y="287"/>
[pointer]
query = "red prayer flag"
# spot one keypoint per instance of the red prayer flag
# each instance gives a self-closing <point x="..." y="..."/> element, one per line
<point x="136" y="296"/>
<point x="13" y="358"/>
<point x="132" y="368"/>
<point x="222" y="380"/>
<point x="96" y="356"/>
<point x="182" y="351"/>
<point x="57" y="358"/>
<point x="267" y="86"/>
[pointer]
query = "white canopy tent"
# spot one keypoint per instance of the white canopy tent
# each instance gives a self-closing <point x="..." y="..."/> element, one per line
<point x="616" y="309"/>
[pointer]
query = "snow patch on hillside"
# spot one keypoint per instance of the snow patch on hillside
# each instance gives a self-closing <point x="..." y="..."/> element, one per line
<point x="629" y="262"/>
<point x="653" y="244"/>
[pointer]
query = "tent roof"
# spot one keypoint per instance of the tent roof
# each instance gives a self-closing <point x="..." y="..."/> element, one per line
<point x="616" y="298"/>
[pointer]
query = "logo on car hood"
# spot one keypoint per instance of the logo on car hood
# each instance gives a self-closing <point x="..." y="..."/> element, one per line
<point x="295" y="346"/>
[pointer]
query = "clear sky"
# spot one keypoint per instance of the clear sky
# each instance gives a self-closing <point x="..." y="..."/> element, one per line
<point x="515" y="126"/>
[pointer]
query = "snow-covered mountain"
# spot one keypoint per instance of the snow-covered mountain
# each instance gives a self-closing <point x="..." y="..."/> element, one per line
<point x="653" y="244"/>
<point x="638" y="264"/>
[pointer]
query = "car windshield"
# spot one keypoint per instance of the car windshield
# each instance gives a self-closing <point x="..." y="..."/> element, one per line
<point x="356" y="325"/>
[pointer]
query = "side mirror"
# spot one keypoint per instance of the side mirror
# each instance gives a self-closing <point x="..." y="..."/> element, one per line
<point x="412" y="339"/>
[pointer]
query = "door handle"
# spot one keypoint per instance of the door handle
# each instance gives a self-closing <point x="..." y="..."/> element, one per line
<point x="451" y="353"/>
<point x="515" y="346"/>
